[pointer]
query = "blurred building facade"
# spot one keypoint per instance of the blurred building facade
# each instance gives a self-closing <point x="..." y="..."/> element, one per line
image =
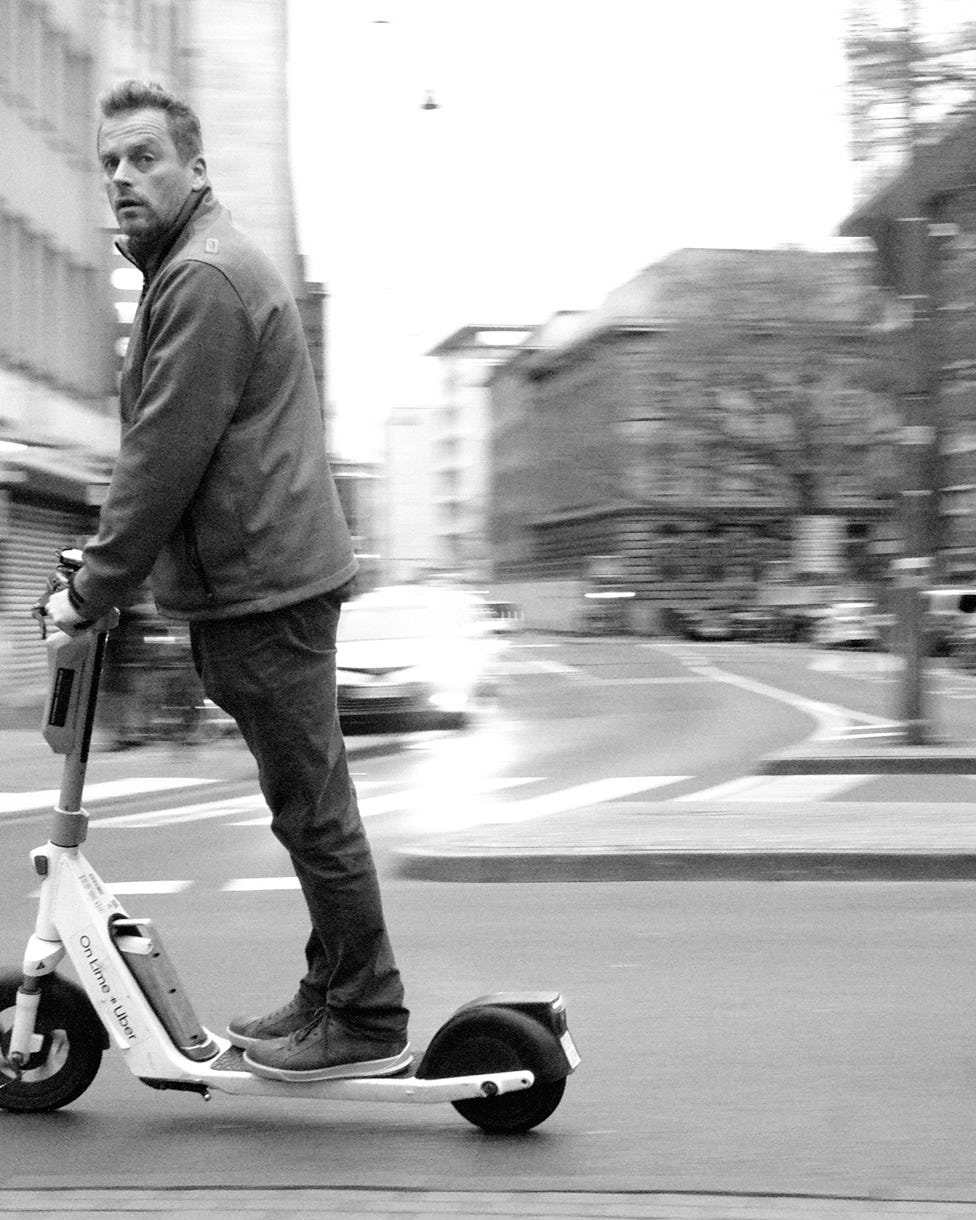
<point x="66" y="296"/>
<point x="460" y="445"/>
<point x="359" y="484"/>
<point x="408" y="527"/>
<point x="58" y="425"/>
<point x="621" y="440"/>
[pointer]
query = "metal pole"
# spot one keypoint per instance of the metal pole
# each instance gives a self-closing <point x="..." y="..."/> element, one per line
<point x="918" y="438"/>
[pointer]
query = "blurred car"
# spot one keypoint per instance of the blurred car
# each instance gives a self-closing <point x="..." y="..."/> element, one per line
<point x="504" y="617"/>
<point x="847" y="624"/>
<point x="413" y="656"/>
<point x="708" y="625"/>
<point x="755" y="624"/>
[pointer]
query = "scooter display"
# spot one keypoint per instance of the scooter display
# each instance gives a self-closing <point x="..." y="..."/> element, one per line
<point x="501" y="1060"/>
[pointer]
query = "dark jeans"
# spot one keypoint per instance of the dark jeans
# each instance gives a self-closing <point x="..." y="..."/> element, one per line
<point x="275" y="674"/>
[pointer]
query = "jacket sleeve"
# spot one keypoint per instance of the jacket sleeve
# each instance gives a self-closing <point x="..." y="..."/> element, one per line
<point x="199" y="350"/>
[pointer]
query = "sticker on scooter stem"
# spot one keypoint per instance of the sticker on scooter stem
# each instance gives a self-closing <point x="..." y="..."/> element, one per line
<point x="89" y="956"/>
<point x="99" y="895"/>
<point x="61" y="697"/>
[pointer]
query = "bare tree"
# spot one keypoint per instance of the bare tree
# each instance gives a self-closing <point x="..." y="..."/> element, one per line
<point x="765" y="385"/>
<point x="912" y="71"/>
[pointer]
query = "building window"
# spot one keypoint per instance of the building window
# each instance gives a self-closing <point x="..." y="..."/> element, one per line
<point x="77" y="101"/>
<point x="8" y="41"/>
<point x="6" y="287"/>
<point x="50" y="80"/>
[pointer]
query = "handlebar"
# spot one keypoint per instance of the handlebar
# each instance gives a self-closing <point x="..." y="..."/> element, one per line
<point x="69" y="562"/>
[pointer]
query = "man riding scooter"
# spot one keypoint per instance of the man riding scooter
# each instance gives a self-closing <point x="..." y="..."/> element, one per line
<point x="223" y="499"/>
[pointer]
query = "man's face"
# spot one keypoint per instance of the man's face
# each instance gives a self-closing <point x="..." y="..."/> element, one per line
<point x="145" y="180"/>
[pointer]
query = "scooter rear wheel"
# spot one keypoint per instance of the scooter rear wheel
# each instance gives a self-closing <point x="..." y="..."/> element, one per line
<point x="70" y="1053"/>
<point x="495" y="1040"/>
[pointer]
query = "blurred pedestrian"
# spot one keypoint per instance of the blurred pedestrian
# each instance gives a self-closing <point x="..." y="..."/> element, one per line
<point x="121" y="711"/>
<point x="222" y="496"/>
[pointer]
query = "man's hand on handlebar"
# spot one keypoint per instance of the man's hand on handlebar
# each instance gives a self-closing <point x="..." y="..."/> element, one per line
<point x="60" y="613"/>
<point x="58" y="607"/>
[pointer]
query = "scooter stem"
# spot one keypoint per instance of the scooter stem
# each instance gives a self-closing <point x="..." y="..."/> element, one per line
<point x="75" y="665"/>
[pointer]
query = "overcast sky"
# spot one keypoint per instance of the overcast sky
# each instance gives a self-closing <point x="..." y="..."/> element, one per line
<point x="576" y="141"/>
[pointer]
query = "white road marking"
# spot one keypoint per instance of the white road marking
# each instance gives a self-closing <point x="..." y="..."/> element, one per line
<point x="141" y="887"/>
<point x="25" y="802"/>
<point x="240" y="884"/>
<point x="831" y="718"/>
<point x="186" y="813"/>
<point x="149" y="887"/>
<point x="595" y="792"/>
<point x="677" y="680"/>
<point x="769" y="788"/>
<point x="464" y="810"/>
<point x="557" y="667"/>
<point x="856" y="664"/>
<point x="394" y="802"/>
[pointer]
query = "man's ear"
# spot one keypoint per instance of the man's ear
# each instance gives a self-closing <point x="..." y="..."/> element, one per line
<point x="199" y="174"/>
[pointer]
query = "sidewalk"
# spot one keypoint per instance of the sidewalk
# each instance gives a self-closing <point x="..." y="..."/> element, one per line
<point x="666" y="840"/>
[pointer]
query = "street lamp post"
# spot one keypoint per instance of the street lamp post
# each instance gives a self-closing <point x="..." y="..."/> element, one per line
<point x="918" y="437"/>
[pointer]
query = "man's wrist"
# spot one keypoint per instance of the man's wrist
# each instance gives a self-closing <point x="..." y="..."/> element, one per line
<point x="76" y="600"/>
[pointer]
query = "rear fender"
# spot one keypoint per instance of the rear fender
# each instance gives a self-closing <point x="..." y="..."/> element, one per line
<point x="530" y="1023"/>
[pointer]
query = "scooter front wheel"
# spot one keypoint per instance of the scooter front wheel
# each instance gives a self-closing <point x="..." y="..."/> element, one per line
<point x="70" y="1051"/>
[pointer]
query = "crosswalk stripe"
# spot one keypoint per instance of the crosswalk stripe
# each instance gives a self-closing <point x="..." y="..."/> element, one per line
<point x="595" y="792"/>
<point x="140" y="887"/>
<point x="465" y="809"/>
<point x="240" y="884"/>
<point x="768" y="788"/>
<point x="369" y="806"/>
<point x="149" y="887"/>
<point x="110" y="789"/>
<point x="393" y="802"/>
<point x="557" y="667"/>
<point x="186" y="813"/>
<point x="471" y="808"/>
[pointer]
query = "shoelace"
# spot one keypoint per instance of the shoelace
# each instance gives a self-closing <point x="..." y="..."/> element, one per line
<point x="313" y="1023"/>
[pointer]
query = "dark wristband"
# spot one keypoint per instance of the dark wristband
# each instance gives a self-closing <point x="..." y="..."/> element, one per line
<point x="77" y="603"/>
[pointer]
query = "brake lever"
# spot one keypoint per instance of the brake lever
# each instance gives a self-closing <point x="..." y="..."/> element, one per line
<point x="69" y="561"/>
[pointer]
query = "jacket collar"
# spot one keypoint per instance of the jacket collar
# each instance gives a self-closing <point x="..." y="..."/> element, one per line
<point x="149" y="256"/>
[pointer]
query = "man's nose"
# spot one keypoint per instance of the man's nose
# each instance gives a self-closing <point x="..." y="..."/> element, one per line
<point x="122" y="172"/>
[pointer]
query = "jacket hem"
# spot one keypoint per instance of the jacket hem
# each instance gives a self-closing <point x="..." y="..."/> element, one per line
<point x="261" y="605"/>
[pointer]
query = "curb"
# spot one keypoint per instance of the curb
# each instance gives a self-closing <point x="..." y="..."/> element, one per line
<point x="687" y="841"/>
<point x="417" y="864"/>
<point x="940" y="759"/>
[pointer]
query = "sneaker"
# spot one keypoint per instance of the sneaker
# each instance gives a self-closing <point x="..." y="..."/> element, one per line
<point x="323" y="1050"/>
<point x="274" y="1029"/>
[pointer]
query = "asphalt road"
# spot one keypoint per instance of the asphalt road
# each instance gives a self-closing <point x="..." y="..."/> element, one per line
<point x="735" y="1037"/>
<point x="787" y="1038"/>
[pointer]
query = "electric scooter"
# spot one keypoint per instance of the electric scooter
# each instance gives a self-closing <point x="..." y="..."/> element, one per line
<point x="501" y="1060"/>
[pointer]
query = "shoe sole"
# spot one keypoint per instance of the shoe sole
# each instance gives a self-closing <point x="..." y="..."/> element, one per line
<point x="342" y="1071"/>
